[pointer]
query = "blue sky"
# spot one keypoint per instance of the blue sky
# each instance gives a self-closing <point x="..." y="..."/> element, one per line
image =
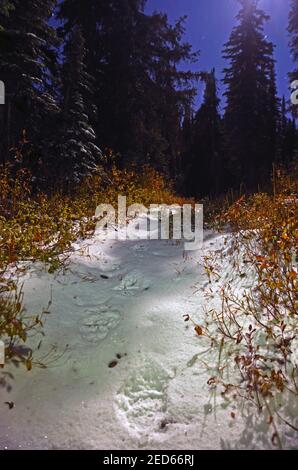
<point x="209" y="25"/>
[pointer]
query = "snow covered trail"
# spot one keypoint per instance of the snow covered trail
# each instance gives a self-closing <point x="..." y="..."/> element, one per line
<point x="130" y="376"/>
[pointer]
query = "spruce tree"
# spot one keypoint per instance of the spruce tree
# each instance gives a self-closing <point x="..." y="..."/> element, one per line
<point x="271" y="118"/>
<point x="172" y="90"/>
<point x="6" y="6"/>
<point x="251" y="110"/>
<point x="287" y="129"/>
<point x="134" y="58"/>
<point x="28" y="69"/>
<point x="77" y="153"/>
<point x="286" y="135"/>
<point x="187" y="135"/>
<point x="293" y="30"/>
<point x="205" y="170"/>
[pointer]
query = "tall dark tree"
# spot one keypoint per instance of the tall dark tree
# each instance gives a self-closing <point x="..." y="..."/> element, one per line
<point x="271" y="118"/>
<point x="76" y="154"/>
<point x="187" y="135"/>
<point x="287" y="125"/>
<point x="172" y="90"/>
<point x="134" y="59"/>
<point x="28" y="68"/>
<point x="205" y="168"/>
<point x="251" y="110"/>
<point x="6" y="6"/>
<point x="293" y="30"/>
<point x="286" y="135"/>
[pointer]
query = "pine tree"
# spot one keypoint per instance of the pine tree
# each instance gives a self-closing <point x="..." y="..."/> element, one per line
<point x="293" y="30"/>
<point x="6" y="6"/>
<point x="205" y="170"/>
<point x="187" y="134"/>
<point x="286" y="135"/>
<point x="251" y="110"/>
<point x="172" y="90"/>
<point x="28" y="68"/>
<point x="271" y="118"/>
<point x="134" y="58"/>
<point x="77" y="154"/>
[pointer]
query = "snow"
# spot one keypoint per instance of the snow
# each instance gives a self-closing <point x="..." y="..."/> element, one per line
<point x="123" y="371"/>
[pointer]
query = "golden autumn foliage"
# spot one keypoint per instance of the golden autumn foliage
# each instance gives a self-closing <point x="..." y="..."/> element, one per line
<point x="39" y="227"/>
<point x="257" y="330"/>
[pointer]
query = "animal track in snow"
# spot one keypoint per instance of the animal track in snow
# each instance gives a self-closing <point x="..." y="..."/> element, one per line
<point x="132" y="283"/>
<point x="108" y="266"/>
<point x="139" y="249"/>
<point x="97" y="324"/>
<point x="91" y="298"/>
<point x="142" y="401"/>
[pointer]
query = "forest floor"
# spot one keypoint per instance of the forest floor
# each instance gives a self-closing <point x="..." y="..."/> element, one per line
<point x="124" y="371"/>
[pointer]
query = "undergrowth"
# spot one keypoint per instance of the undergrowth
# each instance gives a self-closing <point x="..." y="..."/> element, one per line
<point x="40" y="227"/>
<point x="255" y="330"/>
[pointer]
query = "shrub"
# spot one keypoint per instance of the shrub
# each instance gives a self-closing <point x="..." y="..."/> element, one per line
<point x="255" y="331"/>
<point x="40" y="227"/>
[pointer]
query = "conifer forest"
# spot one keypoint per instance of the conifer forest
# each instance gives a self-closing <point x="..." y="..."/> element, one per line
<point x="148" y="226"/>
